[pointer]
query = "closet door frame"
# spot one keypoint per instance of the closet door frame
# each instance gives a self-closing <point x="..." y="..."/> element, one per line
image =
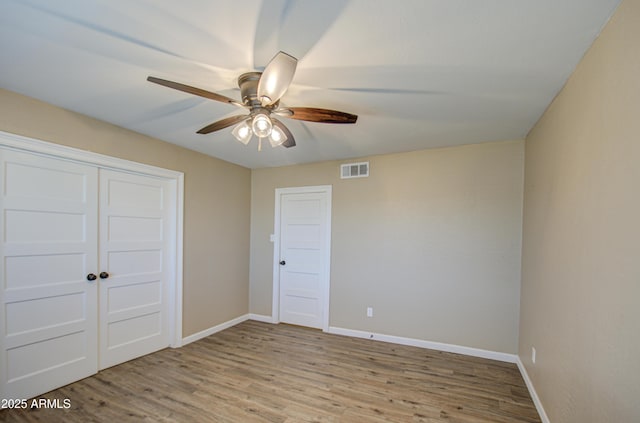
<point x="176" y="179"/>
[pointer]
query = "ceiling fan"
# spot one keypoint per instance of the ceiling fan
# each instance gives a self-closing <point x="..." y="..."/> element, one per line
<point x="261" y="93"/>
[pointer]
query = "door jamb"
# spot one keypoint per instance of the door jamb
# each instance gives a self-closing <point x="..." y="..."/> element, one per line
<point x="275" y="305"/>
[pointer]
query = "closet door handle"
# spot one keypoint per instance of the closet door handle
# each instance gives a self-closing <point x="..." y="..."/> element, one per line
<point x="282" y="263"/>
<point x="104" y="275"/>
<point x="91" y="277"/>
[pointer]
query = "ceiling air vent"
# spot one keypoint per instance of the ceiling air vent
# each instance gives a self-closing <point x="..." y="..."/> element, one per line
<point x="354" y="170"/>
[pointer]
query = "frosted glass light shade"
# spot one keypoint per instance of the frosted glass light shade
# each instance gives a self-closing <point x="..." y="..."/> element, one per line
<point x="242" y="132"/>
<point x="261" y="125"/>
<point x="277" y="137"/>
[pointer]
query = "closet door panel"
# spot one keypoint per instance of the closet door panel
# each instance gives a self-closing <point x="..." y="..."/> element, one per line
<point x="134" y="243"/>
<point x="48" y="217"/>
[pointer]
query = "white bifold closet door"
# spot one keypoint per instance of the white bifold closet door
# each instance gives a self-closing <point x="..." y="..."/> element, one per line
<point x="134" y="224"/>
<point x="50" y="244"/>
<point x="82" y="267"/>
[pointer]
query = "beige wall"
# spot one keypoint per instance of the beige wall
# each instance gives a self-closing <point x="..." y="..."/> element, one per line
<point x="217" y="200"/>
<point x="431" y="240"/>
<point x="581" y="252"/>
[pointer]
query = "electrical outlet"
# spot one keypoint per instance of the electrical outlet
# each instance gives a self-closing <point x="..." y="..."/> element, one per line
<point x="369" y="311"/>
<point x="533" y="355"/>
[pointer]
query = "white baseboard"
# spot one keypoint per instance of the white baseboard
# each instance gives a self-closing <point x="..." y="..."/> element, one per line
<point x="261" y="318"/>
<point x="222" y="326"/>
<point x="532" y="392"/>
<point x="475" y="352"/>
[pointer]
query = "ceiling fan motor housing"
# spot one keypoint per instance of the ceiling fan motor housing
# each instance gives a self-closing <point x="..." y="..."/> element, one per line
<point x="248" y="83"/>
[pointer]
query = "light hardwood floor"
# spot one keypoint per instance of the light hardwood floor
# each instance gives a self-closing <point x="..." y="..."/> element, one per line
<point x="258" y="372"/>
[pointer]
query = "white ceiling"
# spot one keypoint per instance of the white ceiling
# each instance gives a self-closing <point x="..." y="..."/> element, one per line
<point x="418" y="73"/>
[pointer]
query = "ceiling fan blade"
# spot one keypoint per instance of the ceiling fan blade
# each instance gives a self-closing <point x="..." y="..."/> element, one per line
<point x="290" y="141"/>
<point x="312" y="114"/>
<point x="195" y="91"/>
<point x="276" y="78"/>
<point x="221" y="124"/>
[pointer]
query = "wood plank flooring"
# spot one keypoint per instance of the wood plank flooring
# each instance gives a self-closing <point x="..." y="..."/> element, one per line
<point x="258" y="372"/>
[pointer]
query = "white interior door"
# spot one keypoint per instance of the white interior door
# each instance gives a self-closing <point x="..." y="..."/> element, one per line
<point x="48" y="210"/>
<point x="135" y="247"/>
<point x="304" y="253"/>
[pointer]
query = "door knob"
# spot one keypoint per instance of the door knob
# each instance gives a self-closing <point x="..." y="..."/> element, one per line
<point x="104" y="275"/>
<point x="91" y="277"/>
<point x="282" y="263"/>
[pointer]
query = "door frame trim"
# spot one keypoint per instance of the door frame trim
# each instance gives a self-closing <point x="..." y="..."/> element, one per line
<point x="32" y="145"/>
<point x="326" y="283"/>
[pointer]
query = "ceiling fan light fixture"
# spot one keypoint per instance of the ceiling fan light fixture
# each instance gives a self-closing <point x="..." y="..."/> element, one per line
<point x="277" y="137"/>
<point x="261" y="93"/>
<point x="242" y="132"/>
<point x="261" y="125"/>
